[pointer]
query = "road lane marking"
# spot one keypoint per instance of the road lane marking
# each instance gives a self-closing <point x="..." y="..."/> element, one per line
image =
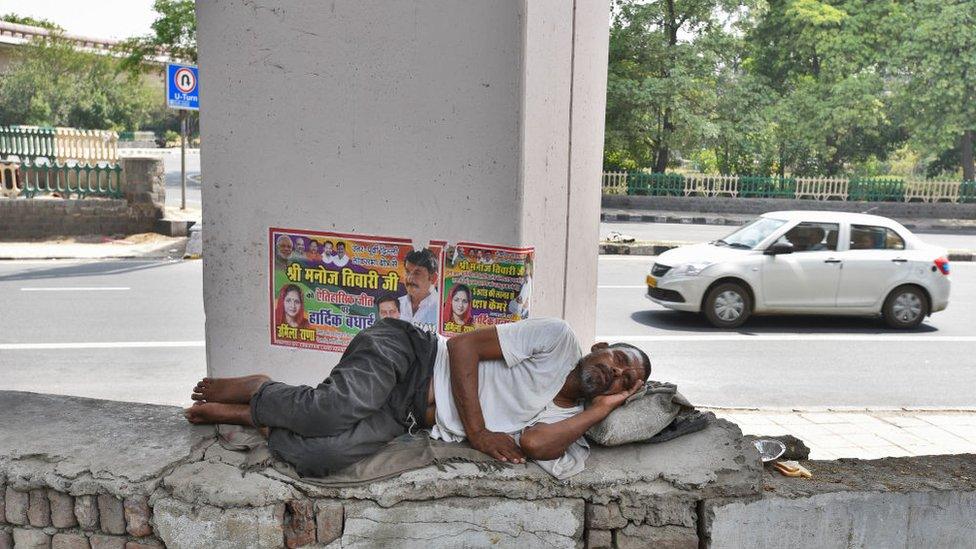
<point x="99" y="345"/>
<point x="78" y="289"/>
<point x="790" y="337"/>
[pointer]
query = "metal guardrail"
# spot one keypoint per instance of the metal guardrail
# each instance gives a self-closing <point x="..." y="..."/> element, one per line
<point x="66" y="179"/>
<point x="61" y="144"/>
<point x="876" y="189"/>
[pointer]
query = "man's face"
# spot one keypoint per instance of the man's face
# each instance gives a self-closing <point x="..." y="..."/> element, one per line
<point x="607" y="370"/>
<point x="388" y="309"/>
<point x="342" y="249"/>
<point x="419" y="280"/>
<point x="284" y="247"/>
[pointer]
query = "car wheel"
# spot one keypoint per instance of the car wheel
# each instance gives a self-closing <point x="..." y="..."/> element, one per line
<point x="727" y="305"/>
<point x="906" y="307"/>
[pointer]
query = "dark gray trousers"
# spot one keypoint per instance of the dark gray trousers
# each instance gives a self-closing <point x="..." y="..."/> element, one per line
<point x="380" y="383"/>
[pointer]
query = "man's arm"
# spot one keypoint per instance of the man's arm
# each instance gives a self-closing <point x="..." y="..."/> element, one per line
<point x="465" y="352"/>
<point x="545" y="441"/>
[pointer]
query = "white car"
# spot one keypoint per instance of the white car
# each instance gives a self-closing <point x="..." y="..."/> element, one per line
<point x="806" y="262"/>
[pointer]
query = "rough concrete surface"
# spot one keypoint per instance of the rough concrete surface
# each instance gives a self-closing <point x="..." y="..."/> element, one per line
<point x="712" y="463"/>
<point x="80" y="445"/>
<point x="483" y="522"/>
<point x="181" y="524"/>
<point x="895" y="502"/>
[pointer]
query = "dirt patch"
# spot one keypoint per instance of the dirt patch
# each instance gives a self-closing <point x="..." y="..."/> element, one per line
<point x="906" y="474"/>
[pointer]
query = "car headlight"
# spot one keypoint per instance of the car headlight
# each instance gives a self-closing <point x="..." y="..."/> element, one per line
<point x="690" y="269"/>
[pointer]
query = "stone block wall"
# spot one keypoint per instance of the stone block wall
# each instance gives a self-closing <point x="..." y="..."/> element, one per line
<point x="144" y="184"/>
<point x="46" y="518"/>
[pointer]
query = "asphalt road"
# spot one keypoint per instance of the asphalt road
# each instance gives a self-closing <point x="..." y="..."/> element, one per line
<point x="171" y="163"/>
<point x="681" y="232"/>
<point x="133" y="330"/>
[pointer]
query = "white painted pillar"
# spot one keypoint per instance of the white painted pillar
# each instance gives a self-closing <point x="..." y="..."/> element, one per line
<point x="478" y="121"/>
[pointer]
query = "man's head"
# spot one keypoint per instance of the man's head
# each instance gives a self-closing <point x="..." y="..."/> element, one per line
<point x="421" y="273"/>
<point x="341" y="248"/>
<point x="388" y="306"/>
<point x="610" y="369"/>
<point x="284" y="246"/>
<point x="327" y="248"/>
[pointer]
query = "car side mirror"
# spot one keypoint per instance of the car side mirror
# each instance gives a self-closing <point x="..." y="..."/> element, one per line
<point x="779" y="248"/>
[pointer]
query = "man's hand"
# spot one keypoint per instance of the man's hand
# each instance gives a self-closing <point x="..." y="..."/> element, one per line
<point x="609" y="403"/>
<point x="497" y="445"/>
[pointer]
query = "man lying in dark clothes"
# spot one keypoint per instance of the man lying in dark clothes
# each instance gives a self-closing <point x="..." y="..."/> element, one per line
<point x="514" y="391"/>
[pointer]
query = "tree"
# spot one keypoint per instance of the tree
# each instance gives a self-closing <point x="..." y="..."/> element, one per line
<point x="51" y="83"/>
<point x="938" y="80"/>
<point x="662" y="65"/>
<point x="827" y="63"/>
<point x="31" y="21"/>
<point x="174" y="35"/>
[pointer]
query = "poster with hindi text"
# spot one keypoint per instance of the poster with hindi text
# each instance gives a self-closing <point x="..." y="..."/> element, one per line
<point x="484" y="285"/>
<point x="326" y="287"/>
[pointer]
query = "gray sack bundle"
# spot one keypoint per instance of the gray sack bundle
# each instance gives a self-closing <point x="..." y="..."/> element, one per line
<point x="641" y="416"/>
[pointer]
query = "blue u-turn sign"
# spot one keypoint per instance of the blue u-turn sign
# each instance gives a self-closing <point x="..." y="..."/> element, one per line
<point x="182" y="87"/>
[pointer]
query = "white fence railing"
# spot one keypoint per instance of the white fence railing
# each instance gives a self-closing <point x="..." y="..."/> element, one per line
<point x="614" y="182"/>
<point x="815" y="188"/>
<point x="821" y="188"/>
<point x="91" y="146"/>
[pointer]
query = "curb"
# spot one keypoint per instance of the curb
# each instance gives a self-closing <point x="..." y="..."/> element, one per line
<point x="617" y="217"/>
<point x="657" y="248"/>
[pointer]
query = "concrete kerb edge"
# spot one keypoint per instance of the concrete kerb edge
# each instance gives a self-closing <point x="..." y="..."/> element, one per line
<point x="658" y="247"/>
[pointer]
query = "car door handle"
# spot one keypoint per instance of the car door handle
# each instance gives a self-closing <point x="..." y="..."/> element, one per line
<point x="832" y="260"/>
<point x="899" y="260"/>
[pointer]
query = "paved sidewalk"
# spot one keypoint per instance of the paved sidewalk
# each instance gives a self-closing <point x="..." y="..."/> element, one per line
<point x="141" y="246"/>
<point x="865" y="434"/>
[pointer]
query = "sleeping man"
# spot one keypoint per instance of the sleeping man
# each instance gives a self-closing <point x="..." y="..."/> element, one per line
<point x="514" y="392"/>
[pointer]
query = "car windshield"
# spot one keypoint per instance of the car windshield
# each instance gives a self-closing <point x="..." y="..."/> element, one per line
<point x="747" y="237"/>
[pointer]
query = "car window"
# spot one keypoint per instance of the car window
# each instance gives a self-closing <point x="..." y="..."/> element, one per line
<point x="869" y="237"/>
<point x="752" y="234"/>
<point x="812" y="237"/>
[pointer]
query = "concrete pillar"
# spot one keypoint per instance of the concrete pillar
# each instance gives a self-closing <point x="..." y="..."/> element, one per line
<point x="478" y="121"/>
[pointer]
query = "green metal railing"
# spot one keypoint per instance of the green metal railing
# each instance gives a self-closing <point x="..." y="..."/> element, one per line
<point x="27" y="142"/>
<point x="655" y="184"/>
<point x="967" y="192"/>
<point x="877" y="189"/>
<point x="81" y="180"/>
<point x="751" y="186"/>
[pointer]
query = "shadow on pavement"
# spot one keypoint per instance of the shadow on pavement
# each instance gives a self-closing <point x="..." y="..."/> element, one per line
<point x="773" y="324"/>
<point x="93" y="268"/>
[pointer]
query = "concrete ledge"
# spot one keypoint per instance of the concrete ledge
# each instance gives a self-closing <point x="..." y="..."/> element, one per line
<point x="896" y="502"/>
<point x="136" y="474"/>
<point x="89" y="473"/>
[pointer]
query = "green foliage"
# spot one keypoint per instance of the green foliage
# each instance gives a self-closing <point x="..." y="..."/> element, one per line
<point x="174" y="35"/>
<point x="939" y="90"/>
<point x="52" y="84"/>
<point x="31" y="21"/>
<point x="793" y="87"/>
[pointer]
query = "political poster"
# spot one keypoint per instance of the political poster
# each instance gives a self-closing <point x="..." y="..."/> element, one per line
<point x="484" y="285"/>
<point x="327" y="287"/>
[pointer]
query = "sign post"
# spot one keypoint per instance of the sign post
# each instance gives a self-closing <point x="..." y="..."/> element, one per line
<point x="183" y="93"/>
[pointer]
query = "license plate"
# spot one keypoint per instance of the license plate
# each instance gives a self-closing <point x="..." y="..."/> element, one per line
<point x="651" y="281"/>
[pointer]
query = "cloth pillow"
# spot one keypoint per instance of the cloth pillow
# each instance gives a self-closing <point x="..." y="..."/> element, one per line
<point x="641" y="416"/>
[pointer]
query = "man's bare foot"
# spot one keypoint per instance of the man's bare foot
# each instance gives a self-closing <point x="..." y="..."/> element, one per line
<point x="216" y="412"/>
<point x="228" y="390"/>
